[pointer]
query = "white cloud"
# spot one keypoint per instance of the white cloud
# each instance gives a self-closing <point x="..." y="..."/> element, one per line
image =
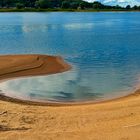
<point x="118" y="2"/>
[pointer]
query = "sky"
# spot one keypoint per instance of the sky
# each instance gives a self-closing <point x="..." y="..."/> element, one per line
<point x="118" y="2"/>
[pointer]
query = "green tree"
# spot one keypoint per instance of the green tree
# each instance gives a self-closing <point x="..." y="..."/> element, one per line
<point x="55" y="3"/>
<point x="19" y="5"/>
<point x="42" y="4"/>
<point x="135" y="7"/>
<point x="85" y="4"/>
<point x="65" y="5"/>
<point x="74" y="5"/>
<point x="128" y="7"/>
<point x="117" y="7"/>
<point x="7" y="3"/>
<point x="98" y="5"/>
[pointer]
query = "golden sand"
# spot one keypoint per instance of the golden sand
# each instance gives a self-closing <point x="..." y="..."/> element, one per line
<point x="113" y="120"/>
<point x="12" y="66"/>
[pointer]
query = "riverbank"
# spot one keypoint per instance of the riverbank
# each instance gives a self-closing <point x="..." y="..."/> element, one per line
<point x="64" y="10"/>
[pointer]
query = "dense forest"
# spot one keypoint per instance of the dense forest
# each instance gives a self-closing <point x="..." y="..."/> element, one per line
<point x="61" y="4"/>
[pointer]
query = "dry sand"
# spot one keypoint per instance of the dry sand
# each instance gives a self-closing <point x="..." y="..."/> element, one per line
<point x="113" y="120"/>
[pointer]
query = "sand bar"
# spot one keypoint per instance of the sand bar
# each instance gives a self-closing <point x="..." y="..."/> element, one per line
<point x="12" y="66"/>
<point x="113" y="120"/>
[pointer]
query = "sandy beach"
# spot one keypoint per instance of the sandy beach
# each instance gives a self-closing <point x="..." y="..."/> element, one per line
<point x="113" y="120"/>
<point x="12" y="66"/>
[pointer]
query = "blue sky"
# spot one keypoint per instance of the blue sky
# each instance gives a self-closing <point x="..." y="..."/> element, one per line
<point x="118" y="2"/>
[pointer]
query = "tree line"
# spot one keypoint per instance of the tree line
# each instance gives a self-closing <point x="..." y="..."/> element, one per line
<point x="63" y="4"/>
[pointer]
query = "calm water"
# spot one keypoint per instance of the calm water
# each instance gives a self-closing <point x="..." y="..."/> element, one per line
<point x="103" y="48"/>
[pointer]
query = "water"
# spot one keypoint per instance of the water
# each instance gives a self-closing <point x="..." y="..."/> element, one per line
<point x="103" y="48"/>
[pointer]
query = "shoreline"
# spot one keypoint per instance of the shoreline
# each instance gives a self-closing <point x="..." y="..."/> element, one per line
<point x="118" y="119"/>
<point x="65" y="10"/>
<point x="61" y="104"/>
<point x="38" y="65"/>
<point x="27" y="66"/>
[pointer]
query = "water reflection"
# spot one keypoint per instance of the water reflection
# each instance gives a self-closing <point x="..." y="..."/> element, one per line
<point x="103" y="48"/>
<point x="58" y="87"/>
<point x="69" y="86"/>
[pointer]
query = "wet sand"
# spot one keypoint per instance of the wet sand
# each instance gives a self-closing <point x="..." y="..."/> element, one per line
<point x="113" y="120"/>
<point x="12" y="66"/>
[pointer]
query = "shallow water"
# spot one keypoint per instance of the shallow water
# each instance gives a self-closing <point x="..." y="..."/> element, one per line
<point x="103" y="48"/>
